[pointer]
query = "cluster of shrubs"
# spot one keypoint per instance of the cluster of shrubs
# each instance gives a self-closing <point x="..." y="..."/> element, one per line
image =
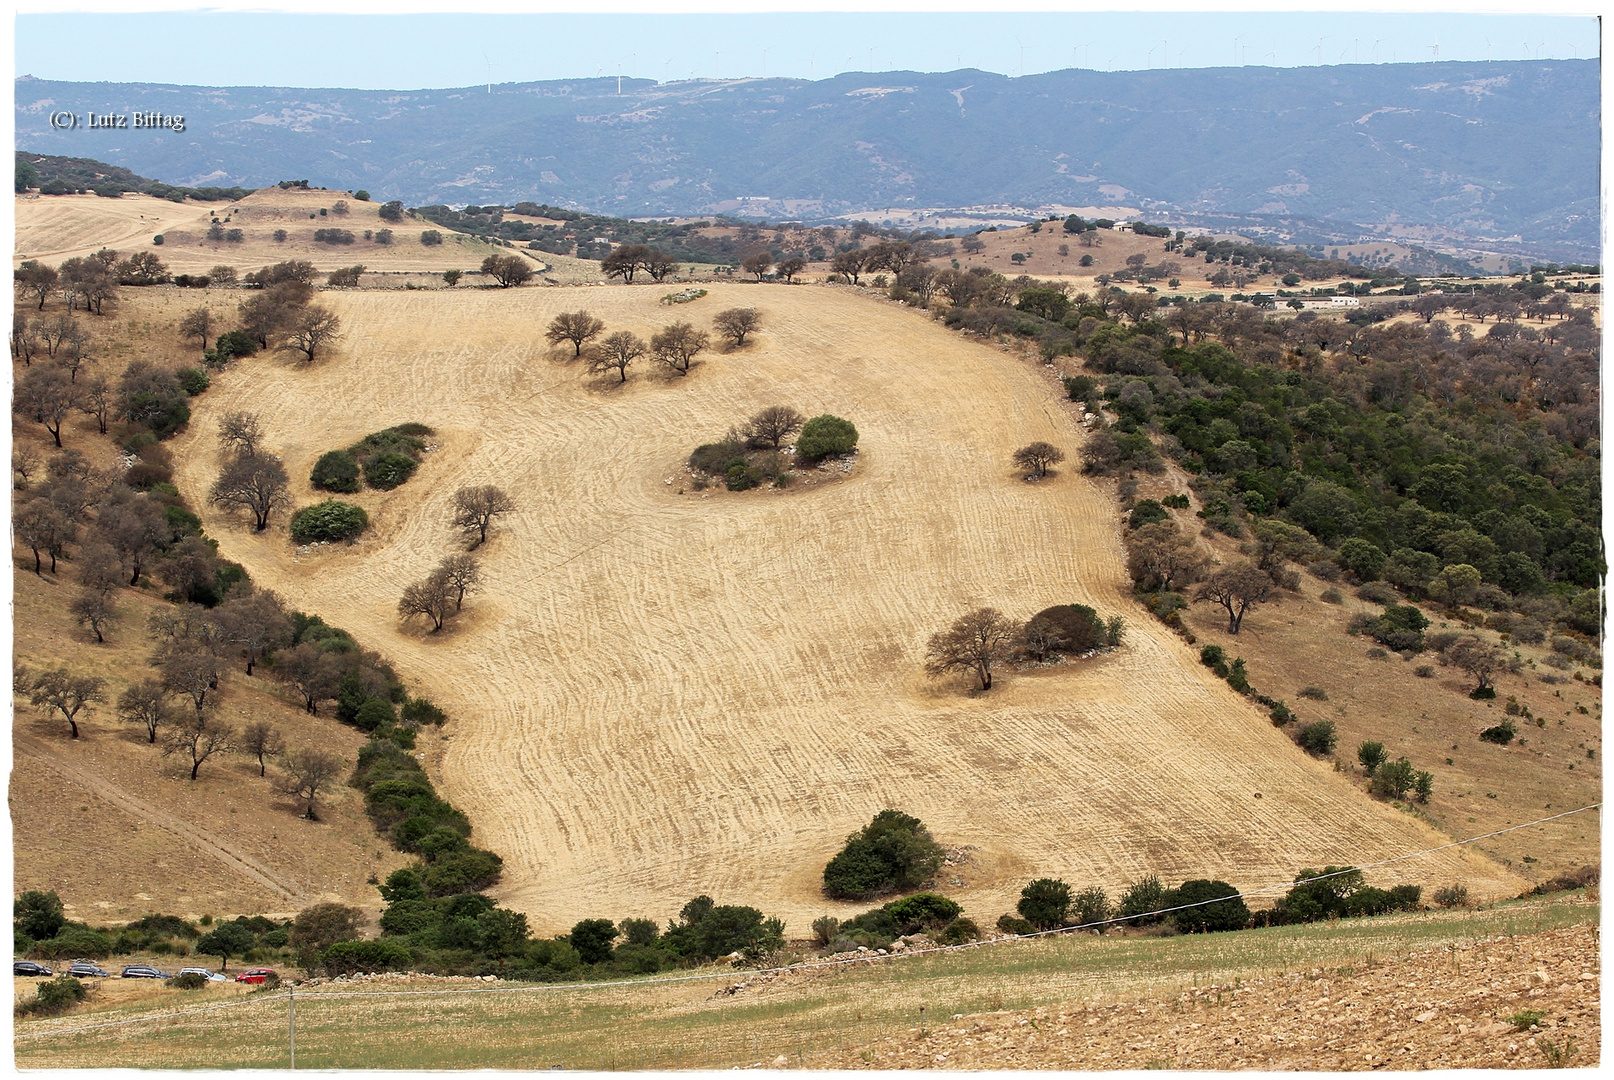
<point x="385" y="458"/>
<point x="40" y="930"/>
<point x="933" y="915"/>
<point x="759" y="451"/>
<point x="1204" y="905"/>
<point x="1393" y="779"/>
<point x="1069" y="628"/>
<point x="1215" y="658"/>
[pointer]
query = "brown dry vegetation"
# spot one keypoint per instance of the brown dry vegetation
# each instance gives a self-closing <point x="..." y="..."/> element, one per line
<point x="118" y="831"/>
<point x="659" y="695"/>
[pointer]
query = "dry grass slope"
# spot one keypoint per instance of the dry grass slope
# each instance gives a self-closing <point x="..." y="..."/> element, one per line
<point x="665" y="694"/>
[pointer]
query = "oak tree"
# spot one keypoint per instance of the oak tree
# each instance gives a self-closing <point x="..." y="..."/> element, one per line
<point x="616" y="352"/>
<point x="773" y="426"/>
<point x="974" y="642"/>
<point x="1038" y="456"/>
<point x="308" y="772"/>
<point x="1236" y="589"/>
<point x="240" y="433"/>
<point x="736" y="323"/>
<point x="258" y="484"/>
<point x="60" y="691"/>
<point x="678" y="344"/>
<point x="311" y="330"/>
<point x="262" y="740"/>
<point x="476" y="507"/>
<point x="197" y="738"/>
<point x="145" y="703"/>
<point x="577" y="327"/>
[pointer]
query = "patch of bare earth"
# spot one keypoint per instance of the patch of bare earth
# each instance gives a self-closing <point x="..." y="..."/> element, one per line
<point x="1448" y="1008"/>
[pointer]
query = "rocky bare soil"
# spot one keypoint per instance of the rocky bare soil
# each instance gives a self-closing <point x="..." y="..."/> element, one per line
<point x="1439" y="1009"/>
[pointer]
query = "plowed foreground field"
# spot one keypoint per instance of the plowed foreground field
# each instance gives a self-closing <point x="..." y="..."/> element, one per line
<point x="662" y="694"/>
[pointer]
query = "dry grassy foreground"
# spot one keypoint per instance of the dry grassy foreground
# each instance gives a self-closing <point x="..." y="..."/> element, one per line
<point x="665" y="694"/>
<point x="1347" y="994"/>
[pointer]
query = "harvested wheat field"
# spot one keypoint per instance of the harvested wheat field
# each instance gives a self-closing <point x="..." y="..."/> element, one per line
<point x="660" y="694"/>
<point x="52" y="228"/>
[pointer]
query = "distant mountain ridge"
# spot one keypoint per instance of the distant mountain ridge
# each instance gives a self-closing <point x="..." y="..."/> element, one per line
<point x="1498" y="154"/>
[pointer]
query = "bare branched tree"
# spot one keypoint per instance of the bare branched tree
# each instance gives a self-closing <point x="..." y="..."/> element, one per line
<point x="433" y="598"/>
<point x="96" y="609"/>
<point x="577" y="327"/>
<point x="476" y="507"/>
<point x="974" y="642"/>
<point x="240" y="433"/>
<point x="145" y="703"/>
<point x="1237" y="588"/>
<point x="198" y="737"/>
<point x="736" y="323"/>
<point x="462" y="574"/>
<point x="258" y="483"/>
<point x="262" y="740"/>
<point x="773" y="426"/>
<point x="677" y="345"/>
<point x="60" y="691"/>
<point x="311" y="330"/>
<point x="616" y="352"/>
<point x="308" y="772"/>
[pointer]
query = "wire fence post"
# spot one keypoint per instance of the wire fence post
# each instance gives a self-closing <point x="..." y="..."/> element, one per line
<point x="291" y="1024"/>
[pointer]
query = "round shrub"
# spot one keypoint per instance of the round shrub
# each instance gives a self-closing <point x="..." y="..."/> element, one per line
<point x="1221" y="914"/>
<point x="336" y="471"/>
<point x="1045" y="903"/>
<point x="825" y="435"/>
<point x="328" y="521"/>
<point x="715" y="458"/>
<point x="387" y="471"/>
<point x="1318" y="738"/>
<point x="193" y="380"/>
<point x="189" y="981"/>
<point x="374" y="713"/>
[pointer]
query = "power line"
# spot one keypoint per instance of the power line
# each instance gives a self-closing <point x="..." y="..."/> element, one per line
<point x="812" y="964"/>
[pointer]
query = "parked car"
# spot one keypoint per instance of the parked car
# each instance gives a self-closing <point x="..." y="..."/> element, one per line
<point x="144" y="971"/>
<point x="83" y="969"/>
<point x="210" y="976"/>
<point x="256" y="975"/>
<point x="28" y="967"/>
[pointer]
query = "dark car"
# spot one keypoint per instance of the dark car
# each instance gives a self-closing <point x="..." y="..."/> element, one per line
<point x="28" y="967"/>
<point x="255" y="975"/>
<point x="144" y="971"/>
<point x="83" y="969"/>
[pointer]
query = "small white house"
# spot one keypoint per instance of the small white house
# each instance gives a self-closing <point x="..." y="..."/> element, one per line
<point x="1329" y="303"/>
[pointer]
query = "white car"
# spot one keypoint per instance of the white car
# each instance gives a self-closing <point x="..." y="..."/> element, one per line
<point x="204" y="973"/>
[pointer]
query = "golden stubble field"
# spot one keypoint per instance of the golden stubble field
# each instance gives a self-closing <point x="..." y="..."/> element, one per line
<point x="663" y="694"/>
<point x="52" y="228"/>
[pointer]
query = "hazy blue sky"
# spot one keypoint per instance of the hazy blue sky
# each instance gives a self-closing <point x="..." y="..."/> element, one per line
<point x="376" y="51"/>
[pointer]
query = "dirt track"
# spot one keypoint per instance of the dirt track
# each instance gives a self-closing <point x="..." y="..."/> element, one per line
<point x="660" y="695"/>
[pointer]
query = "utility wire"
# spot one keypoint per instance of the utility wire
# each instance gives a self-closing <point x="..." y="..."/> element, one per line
<point x="816" y="964"/>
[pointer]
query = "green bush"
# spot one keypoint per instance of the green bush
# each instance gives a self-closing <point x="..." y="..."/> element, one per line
<point x="825" y="435"/>
<point x="336" y="471"/>
<point x="894" y="852"/>
<point x="592" y="939"/>
<point x="1221" y="914"/>
<point x="192" y="380"/>
<point x="191" y="980"/>
<point x="1074" y="627"/>
<point x="329" y="521"/>
<point x="54" y="997"/>
<point x="37" y="914"/>
<point x="1501" y="734"/>
<point x="420" y="712"/>
<point x="1146" y="512"/>
<point x="959" y="932"/>
<point x="75" y="941"/>
<point x="1045" y="903"/>
<point x="1013" y="924"/>
<point x="922" y="911"/>
<point x="1371" y="755"/>
<point x="234" y="343"/>
<point x="715" y="458"/>
<point x="1318" y="738"/>
<point x="387" y="470"/>
<point x="350" y="957"/>
<point x="374" y="713"/>
<point x="1141" y="898"/>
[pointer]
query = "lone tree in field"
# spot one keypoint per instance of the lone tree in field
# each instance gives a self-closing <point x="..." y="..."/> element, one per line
<point x="61" y="692"/>
<point x="255" y="483"/>
<point x="1237" y="589"/>
<point x="476" y="507"/>
<point x="736" y="323"/>
<point x="198" y="324"/>
<point x="577" y="327"/>
<point x="892" y="853"/>
<point x="308" y="772"/>
<point x="677" y="345"/>
<point x="198" y="737"/>
<point x="773" y="426"/>
<point x="757" y="264"/>
<point x="240" y="433"/>
<point x="462" y="574"/>
<point x="974" y="643"/>
<point x="310" y="331"/>
<point x="433" y="598"/>
<point x="261" y="739"/>
<point x="1038" y="457"/>
<point x="616" y="352"/>
<point x="507" y="270"/>
<point x="145" y="703"/>
<point x="1479" y="658"/>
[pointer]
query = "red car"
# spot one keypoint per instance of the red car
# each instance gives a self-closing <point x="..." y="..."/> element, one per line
<point x="256" y="975"/>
